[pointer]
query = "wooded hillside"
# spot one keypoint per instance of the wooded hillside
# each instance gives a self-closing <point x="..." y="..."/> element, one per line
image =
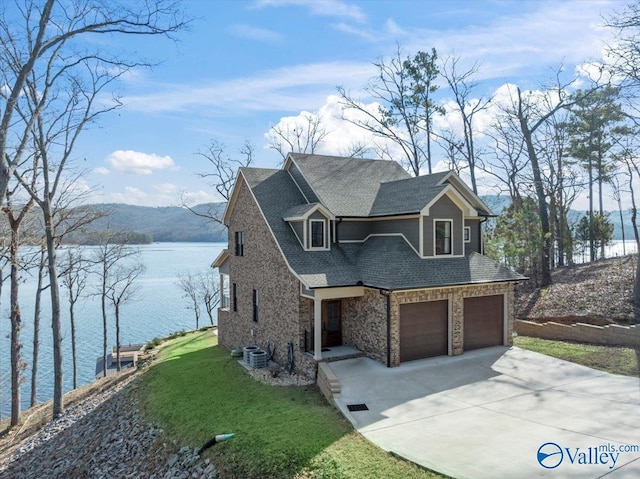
<point x="166" y="223"/>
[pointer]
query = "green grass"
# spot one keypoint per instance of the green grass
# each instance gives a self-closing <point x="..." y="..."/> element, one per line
<point x="617" y="360"/>
<point x="197" y="390"/>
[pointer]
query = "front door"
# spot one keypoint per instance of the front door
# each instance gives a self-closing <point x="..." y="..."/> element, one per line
<point x="331" y="323"/>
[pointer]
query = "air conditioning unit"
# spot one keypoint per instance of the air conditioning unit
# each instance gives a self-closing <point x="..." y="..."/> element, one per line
<point x="246" y="351"/>
<point x="258" y="359"/>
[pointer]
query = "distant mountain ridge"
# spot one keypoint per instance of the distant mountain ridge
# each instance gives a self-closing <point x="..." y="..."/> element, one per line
<point x="177" y="224"/>
<point x="163" y="223"/>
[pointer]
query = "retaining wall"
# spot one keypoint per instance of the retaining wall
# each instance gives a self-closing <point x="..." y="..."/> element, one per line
<point x="612" y="334"/>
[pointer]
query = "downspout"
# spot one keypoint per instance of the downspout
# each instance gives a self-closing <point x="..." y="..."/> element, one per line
<point x="480" y="237"/>
<point x="388" y="329"/>
<point x="387" y="293"/>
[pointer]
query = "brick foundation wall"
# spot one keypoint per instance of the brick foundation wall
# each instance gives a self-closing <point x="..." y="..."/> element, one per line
<point x="585" y="333"/>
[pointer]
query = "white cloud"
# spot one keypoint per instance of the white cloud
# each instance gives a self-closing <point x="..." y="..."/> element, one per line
<point x="254" y="33"/>
<point x="528" y="41"/>
<point x="341" y="134"/>
<point x="326" y="8"/>
<point x="165" y="188"/>
<point x="192" y="198"/>
<point x="130" y="195"/>
<point x="290" y="88"/>
<point x="101" y="170"/>
<point x="137" y="163"/>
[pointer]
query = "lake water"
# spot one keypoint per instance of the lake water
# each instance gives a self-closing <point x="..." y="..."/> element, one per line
<point x="159" y="309"/>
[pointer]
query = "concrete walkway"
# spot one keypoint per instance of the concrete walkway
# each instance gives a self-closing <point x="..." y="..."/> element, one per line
<point x="487" y="413"/>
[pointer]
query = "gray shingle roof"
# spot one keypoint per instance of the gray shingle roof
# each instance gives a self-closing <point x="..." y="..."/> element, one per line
<point x="381" y="262"/>
<point x="300" y="210"/>
<point x="390" y="263"/>
<point x="347" y="186"/>
<point x="409" y="195"/>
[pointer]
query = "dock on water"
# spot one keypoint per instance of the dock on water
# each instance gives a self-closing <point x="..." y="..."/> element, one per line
<point x="128" y="359"/>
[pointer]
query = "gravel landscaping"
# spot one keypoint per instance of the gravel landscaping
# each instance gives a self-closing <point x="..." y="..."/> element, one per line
<point x="103" y="436"/>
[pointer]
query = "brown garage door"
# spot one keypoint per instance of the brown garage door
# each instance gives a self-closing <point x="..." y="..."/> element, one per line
<point x="423" y="330"/>
<point x="483" y="322"/>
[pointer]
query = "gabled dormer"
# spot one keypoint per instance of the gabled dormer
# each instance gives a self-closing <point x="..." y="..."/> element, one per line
<point x="312" y="224"/>
<point x="442" y="224"/>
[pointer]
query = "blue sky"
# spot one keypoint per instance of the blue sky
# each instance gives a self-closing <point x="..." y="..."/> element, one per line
<point x="244" y="65"/>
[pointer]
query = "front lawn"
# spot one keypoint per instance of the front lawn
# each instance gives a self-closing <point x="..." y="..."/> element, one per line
<point x="197" y="390"/>
<point x="617" y="360"/>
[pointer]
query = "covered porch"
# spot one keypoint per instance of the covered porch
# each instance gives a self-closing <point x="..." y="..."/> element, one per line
<point x="331" y="333"/>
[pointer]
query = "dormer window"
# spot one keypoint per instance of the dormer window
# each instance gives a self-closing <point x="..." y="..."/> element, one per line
<point x="318" y="234"/>
<point x="311" y="224"/>
<point x="443" y="237"/>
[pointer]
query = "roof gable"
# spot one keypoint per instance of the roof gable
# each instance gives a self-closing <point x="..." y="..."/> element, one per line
<point x="346" y="186"/>
<point x="469" y="195"/>
<point x="302" y="212"/>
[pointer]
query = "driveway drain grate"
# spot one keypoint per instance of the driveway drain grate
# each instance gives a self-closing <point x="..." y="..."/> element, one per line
<point x="357" y="407"/>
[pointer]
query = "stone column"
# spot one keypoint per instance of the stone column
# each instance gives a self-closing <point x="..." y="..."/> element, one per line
<point x="317" y="329"/>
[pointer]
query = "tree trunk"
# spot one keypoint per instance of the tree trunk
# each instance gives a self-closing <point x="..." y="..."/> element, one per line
<point x="58" y="399"/>
<point x="592" y="248"/>
<point x="103" y="299"/>
<point x="545" y="273"/>
<point x="624" y="246"/>
<point x="16" y="325"/>
<point x="36" y="331"/>
<point x="636" y="291"/>
<point x="634" y="211"/>
<point x="117" y="308"/>
<point x="600" y="203"/>
<point x="72" y="319"/>
<point x="561" y="229"/>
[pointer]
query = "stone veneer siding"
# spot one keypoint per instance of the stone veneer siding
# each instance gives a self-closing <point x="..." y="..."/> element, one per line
<point x="455" y="296"/>
<point x="261" y="268"/>
<point x="364" y="324"/>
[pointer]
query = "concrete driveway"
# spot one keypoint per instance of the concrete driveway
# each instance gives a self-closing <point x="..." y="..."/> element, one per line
<point x="490" y="413"/>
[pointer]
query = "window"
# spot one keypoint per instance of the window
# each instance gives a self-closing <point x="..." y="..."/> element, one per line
<point x="317" y="234"/>
<point x="235" y="297"/>
<point x="443" y="236"/>
<point x="467" y="234"/>
<point x="239" y="243"/>
<point x="255" y="305"/>
<point x="224" y="286"/>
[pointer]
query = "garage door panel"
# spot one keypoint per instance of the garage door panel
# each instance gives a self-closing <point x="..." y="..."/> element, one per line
<point x="424" y="330"/>
<point x="483" y="322"/>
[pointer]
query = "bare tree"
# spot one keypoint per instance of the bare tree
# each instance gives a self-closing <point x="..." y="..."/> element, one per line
<point x="42" y="263"/>
<point x="625" y="52"/>
<point x="15" y="217"/>
<point x="188" y="283"/>
<point x="303" y="136"/>
<point x="107" y="258"/>
<point x="509" y="161"/>
<point x="209" y="290"/>
<point x="530" y="111"/>
<point x="45" y="34"/>
<point x="223" y="175"/>
<point x="404" y="87"/>
<point x="122" y="289"/>
<point x="463" y="86"/>
<point x="200" y="288"/>
<point x="75" y="273"/>
<point x="357" y="149"/>
<point x="53" y="84"/>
